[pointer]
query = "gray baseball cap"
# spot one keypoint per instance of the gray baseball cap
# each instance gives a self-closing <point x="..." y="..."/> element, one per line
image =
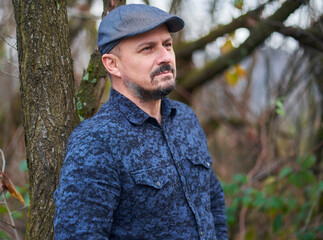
<point x="130" y="20"/>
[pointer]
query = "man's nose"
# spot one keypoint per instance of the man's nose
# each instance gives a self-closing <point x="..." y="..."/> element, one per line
<point x="164" y="55"/>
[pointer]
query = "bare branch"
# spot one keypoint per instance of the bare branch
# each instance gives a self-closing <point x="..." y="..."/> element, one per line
<point x="8" y="74"/>
<point x="304" y="37"/>
<point x="11" y="45"/>
<point x="185" y="50"/>
<point x="147" y="2"/>
<point x="109" y="5"/>
<point x="257" y="36"/>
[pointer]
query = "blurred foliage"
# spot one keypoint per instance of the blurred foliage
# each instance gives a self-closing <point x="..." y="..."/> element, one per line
<point x="282" y="206"/>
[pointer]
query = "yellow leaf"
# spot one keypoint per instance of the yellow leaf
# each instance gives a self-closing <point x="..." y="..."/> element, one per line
<point x="227" y="47"/>
<point x="231" y="78"/>
<point x="240" y="71"/>
<point x="270" y="180"/>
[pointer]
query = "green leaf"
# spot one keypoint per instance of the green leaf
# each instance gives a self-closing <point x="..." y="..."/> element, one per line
<point x="240" y="178"/>
<point x="320" y="228"/>
<point x="94" y="80"/>
<point x="278" y="223"/>
<point x="79" y="105"/>
<point x="291" y="204"/>
<point x="3" y="209"/>
<point x="306" y="177"/>
<point x="277" y="203"/>
<point x="294" y="179"/>
<point x="279" y="104"/>
<point x="231" y="216"/>
<point x="231" y="189"/>
<point x="321" y="185"/>
<point x="308" y="162"/>
<point x="299" y="160"/>
<point x="259" y="200"/>
<point x="246" y="200"/>
<point x="23" y="166"/>
<point x="280" y="107"/>
<point x="280" y="112"/>
<point x="236" y="202"/>
<point x="26" y="198"/>
<point x="86" y="77"/>
<point x="4" y="236"/>
<point x="18" y="215"/>
<point x="285" y="172"/>
<point x="249" y="191"/>
<point x="307" y="236"/>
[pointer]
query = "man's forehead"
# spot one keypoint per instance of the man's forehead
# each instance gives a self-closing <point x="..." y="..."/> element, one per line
<point x="160" y="33"/>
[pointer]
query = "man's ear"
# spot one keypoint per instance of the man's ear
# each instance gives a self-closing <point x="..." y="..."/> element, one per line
<point x="110" y="62"/>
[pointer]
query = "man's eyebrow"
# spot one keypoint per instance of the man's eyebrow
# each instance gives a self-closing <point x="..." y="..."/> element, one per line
<point x="170" y="39"/>
<point x="145" y="44"/>
<point x="152" y="43"/>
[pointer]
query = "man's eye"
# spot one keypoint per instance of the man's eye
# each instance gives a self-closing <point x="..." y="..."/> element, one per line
<point x="146" y="49"/>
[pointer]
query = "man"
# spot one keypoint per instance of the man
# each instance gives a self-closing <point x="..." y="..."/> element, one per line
<point x="140" y="168"/>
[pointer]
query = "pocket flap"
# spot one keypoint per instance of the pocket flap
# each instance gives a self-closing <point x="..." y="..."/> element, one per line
<point x="154" y="177"/>
<point x="198" y="159"/>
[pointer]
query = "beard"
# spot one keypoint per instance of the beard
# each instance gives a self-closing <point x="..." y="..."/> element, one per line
<point x="146" y="95"/>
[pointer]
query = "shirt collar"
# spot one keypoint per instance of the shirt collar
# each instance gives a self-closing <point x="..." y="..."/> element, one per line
<point x="133" y="113"/>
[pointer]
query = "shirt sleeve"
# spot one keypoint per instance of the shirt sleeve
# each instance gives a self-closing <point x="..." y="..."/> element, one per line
<point x="218" y="208"/>
<point x="88" y="192"/>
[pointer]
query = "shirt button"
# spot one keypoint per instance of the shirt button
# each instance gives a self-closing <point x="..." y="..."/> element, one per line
<point x="158" y="184"/>
<point x="208" y="164"/>
<point x="202" y="233"/>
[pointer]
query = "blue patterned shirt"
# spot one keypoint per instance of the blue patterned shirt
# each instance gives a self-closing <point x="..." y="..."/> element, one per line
<point x="125" y="176"/>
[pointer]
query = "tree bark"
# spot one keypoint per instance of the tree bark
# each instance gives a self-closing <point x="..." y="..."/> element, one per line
<point x="95" y="77"/>
<point x="47" y="92"/>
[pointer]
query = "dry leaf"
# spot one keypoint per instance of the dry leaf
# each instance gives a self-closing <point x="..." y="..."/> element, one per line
<point x="7" y="184"/>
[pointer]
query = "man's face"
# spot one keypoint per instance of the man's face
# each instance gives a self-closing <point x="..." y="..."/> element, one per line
<point x="147" y="64"/>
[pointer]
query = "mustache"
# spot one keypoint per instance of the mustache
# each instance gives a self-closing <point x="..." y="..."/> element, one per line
<point x="162" y="68"/>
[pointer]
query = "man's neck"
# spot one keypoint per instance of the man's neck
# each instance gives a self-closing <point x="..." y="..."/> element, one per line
<point x="153" y="108"/>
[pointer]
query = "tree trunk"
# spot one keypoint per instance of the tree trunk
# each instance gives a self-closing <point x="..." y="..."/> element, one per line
<point x="47" y="92"/>
<point x="95" y="77"/>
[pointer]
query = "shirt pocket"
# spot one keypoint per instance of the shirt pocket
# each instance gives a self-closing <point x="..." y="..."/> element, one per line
<point x="197" y="170"/>
<point x="153" y="177"/>
<point x="200" y="160"/>
<point x="152" y="187"/>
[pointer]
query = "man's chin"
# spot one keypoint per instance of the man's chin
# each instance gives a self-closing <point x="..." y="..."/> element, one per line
<point x="156" y="94"/>
<point x="161" y="88"/>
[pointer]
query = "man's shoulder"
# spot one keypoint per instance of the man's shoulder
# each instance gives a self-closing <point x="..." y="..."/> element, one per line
<point x="98" y="127"/>
<point x="182" y="109"/>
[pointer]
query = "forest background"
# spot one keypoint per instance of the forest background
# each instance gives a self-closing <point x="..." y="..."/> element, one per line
<point x="251" y="69"/>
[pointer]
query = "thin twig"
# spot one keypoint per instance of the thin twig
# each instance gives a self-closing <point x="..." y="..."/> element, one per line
<point x="263" y="153"/>
<point x="3" y="39"/>
<point x="7" y="223"/>
<point x="18" y="210"/>
<point x="10" y="216"/>
<point x="8" y="74"/>
<point x="242" y="223"/>
<point x="3" y="160"/>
